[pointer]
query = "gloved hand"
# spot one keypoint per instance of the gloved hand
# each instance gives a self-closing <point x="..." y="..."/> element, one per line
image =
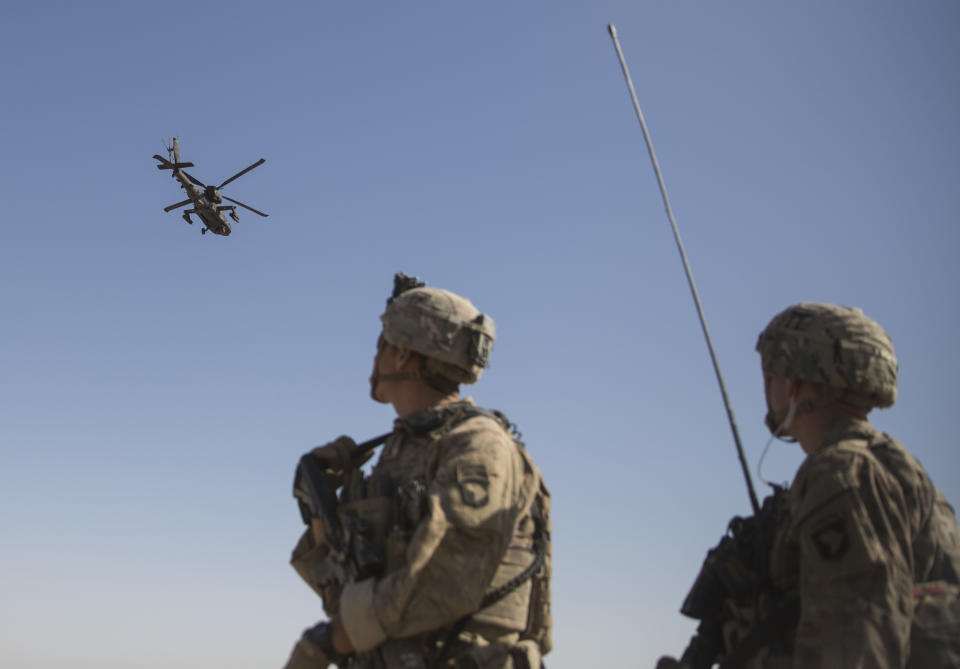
<point x="314" y="650"/>
<point x="338" y="454"/>
<point x="304" y="657"/>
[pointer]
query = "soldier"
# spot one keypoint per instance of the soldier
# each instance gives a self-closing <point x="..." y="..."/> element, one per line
<point x="447" y="546"/>
<point x="864" y="566"/>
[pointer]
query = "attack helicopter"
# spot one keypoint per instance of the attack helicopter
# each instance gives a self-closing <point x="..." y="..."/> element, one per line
<point x="206" y="200"/>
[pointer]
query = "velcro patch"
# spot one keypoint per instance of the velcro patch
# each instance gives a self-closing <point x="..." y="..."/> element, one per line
<point x="474" y="484"/>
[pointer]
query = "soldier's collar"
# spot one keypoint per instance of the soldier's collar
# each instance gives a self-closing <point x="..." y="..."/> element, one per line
<point x="845" y="429"/>
<point x="430" y="419"/>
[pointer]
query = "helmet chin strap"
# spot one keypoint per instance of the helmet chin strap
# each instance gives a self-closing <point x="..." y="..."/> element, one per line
<point x="395" y="376"/>
<point x="777" y="433"/>
<point x="778" y="426"/>
<point x="788" y="419"/>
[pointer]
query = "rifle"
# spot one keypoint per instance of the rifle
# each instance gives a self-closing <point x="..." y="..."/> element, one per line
<point x="737" y="571"/>
<point x="318" y="500"/>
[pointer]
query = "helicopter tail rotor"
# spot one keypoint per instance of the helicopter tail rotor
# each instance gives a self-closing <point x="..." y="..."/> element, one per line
<point x="172" y="162"/>
<point x="167" y="165"/>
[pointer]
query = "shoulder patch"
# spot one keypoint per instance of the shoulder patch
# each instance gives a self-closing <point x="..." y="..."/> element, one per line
<point x="831" y="539"/>
<point x="474" y="484"/>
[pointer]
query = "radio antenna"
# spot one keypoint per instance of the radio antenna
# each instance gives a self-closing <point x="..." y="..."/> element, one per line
<point x="686" y="267"/>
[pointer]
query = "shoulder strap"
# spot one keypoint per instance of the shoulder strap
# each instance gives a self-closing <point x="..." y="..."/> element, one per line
<point x="443" y="419"/>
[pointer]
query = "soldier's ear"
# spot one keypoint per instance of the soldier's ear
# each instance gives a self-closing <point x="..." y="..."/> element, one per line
<point x="404" y="355"/>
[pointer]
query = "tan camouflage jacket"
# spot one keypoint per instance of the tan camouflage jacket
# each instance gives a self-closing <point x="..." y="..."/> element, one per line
<point x="451" y="503"/>
<point x="866" y="525"/>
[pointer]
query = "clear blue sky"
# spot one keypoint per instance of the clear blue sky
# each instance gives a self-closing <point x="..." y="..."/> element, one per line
<point x="157" y="386"/>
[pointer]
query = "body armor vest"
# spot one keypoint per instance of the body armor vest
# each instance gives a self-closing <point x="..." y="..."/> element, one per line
<point x="381" y="511"/>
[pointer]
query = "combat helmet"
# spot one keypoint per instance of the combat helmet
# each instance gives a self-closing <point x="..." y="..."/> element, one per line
<point x="447" y="330"/>
<point x="840" y="348"/>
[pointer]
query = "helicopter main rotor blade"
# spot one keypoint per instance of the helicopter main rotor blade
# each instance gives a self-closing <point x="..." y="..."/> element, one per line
<point x="246" y="206"/>
<point x="177" y="205"/>
<point x="241" y="173"/>
<point x="194" y="180"/>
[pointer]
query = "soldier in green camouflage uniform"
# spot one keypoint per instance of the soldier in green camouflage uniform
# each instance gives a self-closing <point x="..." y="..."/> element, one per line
<point x="452" y="523"/>
<point x="869" y="546"/>
<point x="861" y="565"/>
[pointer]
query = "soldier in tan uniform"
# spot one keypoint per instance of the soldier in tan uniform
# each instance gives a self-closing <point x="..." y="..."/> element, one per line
<point x="862" y="565"/>
<point x="447" y="558"/>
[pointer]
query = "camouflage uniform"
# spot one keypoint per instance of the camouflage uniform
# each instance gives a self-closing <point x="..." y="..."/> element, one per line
<point x="454" y="510"/>
<point x="857" y="565"/>
<point x="868" y="539"/>
<point x="867" y="535"/>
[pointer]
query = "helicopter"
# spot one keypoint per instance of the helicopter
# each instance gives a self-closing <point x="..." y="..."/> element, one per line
<point x="207" y="200"/>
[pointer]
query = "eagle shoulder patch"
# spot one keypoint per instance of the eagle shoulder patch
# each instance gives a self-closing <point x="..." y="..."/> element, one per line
<point x="831" y="540"/>
<point x="474" y="484"/>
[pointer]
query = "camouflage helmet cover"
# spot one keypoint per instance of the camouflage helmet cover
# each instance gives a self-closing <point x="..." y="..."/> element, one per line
<point x="445" y="328"/>
<point x="838" y="347"/>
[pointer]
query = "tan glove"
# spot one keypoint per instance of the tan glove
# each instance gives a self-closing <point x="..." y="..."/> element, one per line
<point x="314" y="650"/>
<point x="303" y="657"/>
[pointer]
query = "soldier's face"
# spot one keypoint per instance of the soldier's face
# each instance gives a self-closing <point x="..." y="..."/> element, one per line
<point x="781" y="395"/>
<point x="772" y="389"/>
<point x="389" y="359"/>
<point x="375" y="372"/>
